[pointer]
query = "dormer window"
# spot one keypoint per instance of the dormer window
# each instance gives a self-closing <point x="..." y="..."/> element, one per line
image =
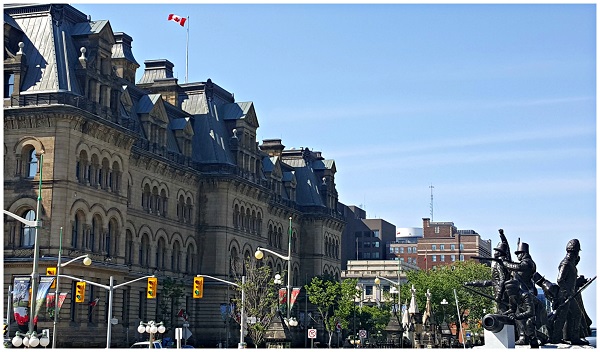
<point x="9" y="84"/>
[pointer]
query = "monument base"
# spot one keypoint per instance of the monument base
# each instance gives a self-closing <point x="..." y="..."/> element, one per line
<point x="504" y="338"/>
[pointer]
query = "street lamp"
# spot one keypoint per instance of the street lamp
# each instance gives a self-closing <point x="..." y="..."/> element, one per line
<point x="86" y="261"/>
<point x="152" y="328"/>
<point x="260" y="255"/>
<point x="444" y="303"/>
<point x="36" y="245"/>
<point x="30" y="339"/>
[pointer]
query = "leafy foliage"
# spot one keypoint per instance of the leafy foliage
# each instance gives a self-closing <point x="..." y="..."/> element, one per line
<point x="172" y="290"/>
<point x="260" y="299"/>
<point x="443" y="281"/>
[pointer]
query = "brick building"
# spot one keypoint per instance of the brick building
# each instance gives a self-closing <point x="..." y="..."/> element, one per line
<point x="443" y="244"/>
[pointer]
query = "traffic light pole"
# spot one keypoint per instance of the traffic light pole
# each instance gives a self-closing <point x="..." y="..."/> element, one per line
<point x="110" y="289"/>
<point x="242" y="313"/>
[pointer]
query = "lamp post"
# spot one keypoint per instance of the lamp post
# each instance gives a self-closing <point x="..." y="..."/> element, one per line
<point x="152" y="328"/>
<point x="111" y="287"/>
<point x="36" y="245"/>
<point x="444" y="303"/>
<point x="30" y="339"/>
<point x="242" y="308"/>
<point x="86" y="261"/>
<point x="259" y="255"/>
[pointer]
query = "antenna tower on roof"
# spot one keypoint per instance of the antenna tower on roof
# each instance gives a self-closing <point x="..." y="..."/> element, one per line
<point x="431" y="204"/>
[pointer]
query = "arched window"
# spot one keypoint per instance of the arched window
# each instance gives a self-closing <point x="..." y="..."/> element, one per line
<point x="154" y="203"/>
<point x="270" y="235"/>
<point x="145" y="251"/>
<point x="294" y="243"/>
<point x="111" y="238"/>
<point x="128" y="247"/>
<point x="160" y="254"/>
<point x="163" y="200"/>
<point x="77" y="230"/>
<point x="33" y="164"/>
<point x="82" y="167"/>
<point x="176" y="257"/>
<point x="95" y="233"/>
<point x="28" y="233"/>
<point x="189" y="208"/>
<point x="146" y="197"/>
<point x="180" y="208"/>
<point x="259" y="223"/>
<point x="236" y="215"/>
<point x="233" y="266"/>
<point x="189" y="260"/>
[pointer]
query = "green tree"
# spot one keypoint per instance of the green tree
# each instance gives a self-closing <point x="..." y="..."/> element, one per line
<point x="334" y="300"/>
<point x="172" y="290"/>
<point x="260" y="299"/>
<point x="442" y="282"/>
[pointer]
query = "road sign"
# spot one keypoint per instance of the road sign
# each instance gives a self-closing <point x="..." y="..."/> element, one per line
<point x="186" y="334"/>
<point x="362" y="334"/>
<point x="312" y="333"/>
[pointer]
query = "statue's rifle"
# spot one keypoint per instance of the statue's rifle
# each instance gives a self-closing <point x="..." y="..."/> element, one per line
<point x="488" y="258"/>
<point x="583" y="287"/>
<point x="479" y="293"/>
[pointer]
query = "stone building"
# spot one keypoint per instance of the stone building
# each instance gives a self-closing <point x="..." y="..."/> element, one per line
<point x="148" y="178"/>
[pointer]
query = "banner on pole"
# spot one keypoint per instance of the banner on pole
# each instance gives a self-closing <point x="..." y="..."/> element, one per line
<point x="21" y="301"/>
<point x="295" y="293"/>
<point x="44" y="287"/>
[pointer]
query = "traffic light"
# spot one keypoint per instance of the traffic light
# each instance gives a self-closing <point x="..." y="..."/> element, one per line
<point x="198" y="287"/>
<point x="152" y="286"/>
<point x="51" y="271"/>
<point x="79" y="292"/>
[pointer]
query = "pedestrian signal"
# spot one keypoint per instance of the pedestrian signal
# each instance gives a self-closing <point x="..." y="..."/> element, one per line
<point x="152" y="286"/>
<point x="198" y="287"/>
<point x="79" y="292"/>
<point x="51" y="271"/>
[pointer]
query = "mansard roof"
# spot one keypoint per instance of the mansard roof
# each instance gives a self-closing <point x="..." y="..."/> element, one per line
<point x="240" y="111"/>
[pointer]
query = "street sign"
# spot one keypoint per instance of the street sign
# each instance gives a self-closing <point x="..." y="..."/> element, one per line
<point x="338" y="326"/>
<point x="312" y="333"/>
<point x="362" y="334"/>
<point x="186" y="333"/>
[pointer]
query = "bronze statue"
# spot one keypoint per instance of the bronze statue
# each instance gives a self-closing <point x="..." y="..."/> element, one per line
<point x="522" y="308"/>
<point x="499" y="274"/>
<point x="567" y="320"/>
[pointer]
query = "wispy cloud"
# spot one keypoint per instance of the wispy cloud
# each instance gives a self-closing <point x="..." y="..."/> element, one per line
<point x="387" y="150"/>
<point x="372" y="110"/>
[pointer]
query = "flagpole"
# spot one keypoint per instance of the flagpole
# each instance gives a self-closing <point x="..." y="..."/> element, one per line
<point x="187" y="41"/>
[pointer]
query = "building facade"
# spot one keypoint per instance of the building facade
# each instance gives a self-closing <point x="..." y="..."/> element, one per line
<point x="443" y="244"/>
<point x="148" y="178"/>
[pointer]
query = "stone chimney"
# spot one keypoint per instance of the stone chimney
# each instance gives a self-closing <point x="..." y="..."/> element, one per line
<point x="273" y="147"/>
<point x="122" y="57"/>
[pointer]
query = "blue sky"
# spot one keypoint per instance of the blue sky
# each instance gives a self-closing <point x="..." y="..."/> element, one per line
<point x="493" y="105"/>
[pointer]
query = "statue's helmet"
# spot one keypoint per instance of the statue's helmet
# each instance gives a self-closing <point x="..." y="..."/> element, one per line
<point x="512" y="287"/>
<point x="502" y="248"/>
<point x="573" y="246"/>
<point x="523" y="248"/>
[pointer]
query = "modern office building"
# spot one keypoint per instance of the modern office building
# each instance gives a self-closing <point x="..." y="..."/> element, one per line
<point x="364" y="239"/>
<point x="149" y="178"/>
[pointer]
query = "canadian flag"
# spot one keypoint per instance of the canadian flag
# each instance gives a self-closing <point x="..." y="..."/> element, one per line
<point x="178" y="19"/>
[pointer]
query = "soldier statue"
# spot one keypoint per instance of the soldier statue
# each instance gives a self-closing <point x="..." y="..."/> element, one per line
<point x="567" y="320"/>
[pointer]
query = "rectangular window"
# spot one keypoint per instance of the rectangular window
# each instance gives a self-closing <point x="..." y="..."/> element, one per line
<point x="442" y="247"/>
<point x="9" y="84"/>
<point x="462" y="247"/>
<point x="376" y="244"/>
<point x="391" y="250"/>
<point x="442" y="258"/>
<point x="408" y="249"/>
<point x="452" y="247"/>
<point x="453" y="257"/>
<point x="433" y="247"/>
<point x="401" y="249"/>
<point x="368" y="290"/>
<point x="414" y="249"/>
<point x="375" y="233"/>
<point x="434" y="258"/>
<point x="375" y="255"/>
<point x="437" y="229"/>
<point x="462" y="258"/>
